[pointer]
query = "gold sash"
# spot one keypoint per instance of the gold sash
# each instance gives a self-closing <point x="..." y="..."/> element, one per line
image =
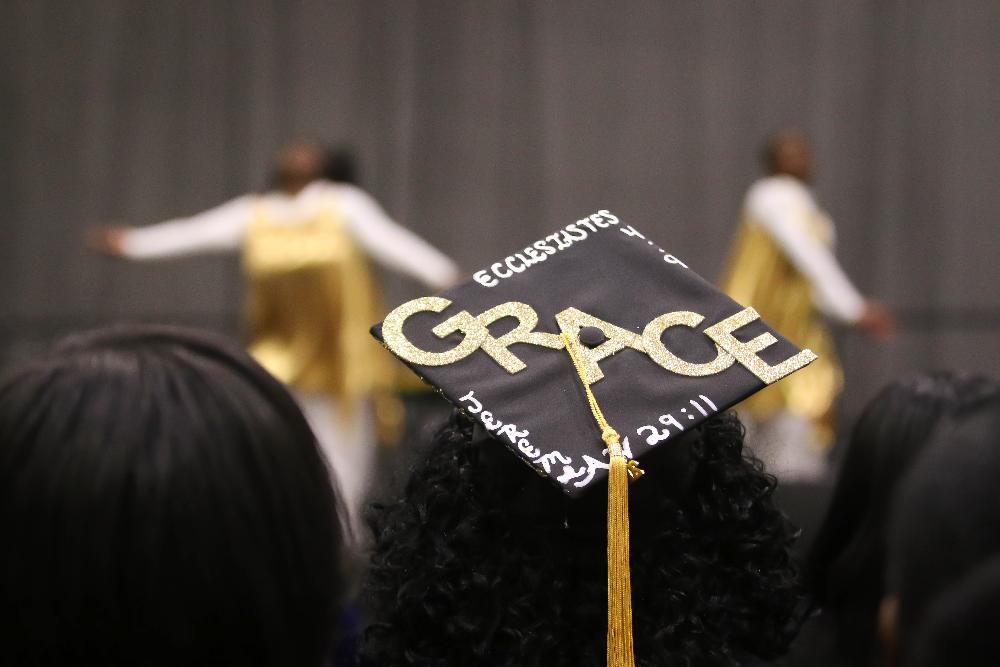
<point x="758" y="274"/>
<point x="310" y="299"/>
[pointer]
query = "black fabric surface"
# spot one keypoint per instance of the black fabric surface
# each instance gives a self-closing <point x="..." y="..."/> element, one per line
<point x="623" y="280"/>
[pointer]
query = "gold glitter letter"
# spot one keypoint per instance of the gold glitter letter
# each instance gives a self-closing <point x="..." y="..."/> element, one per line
<point x="658" y="352"/>
<point x="392" y="333"/>
<point x="478" y="329"/>
<point x="572" y="320"/>
<point x="746" y="353"/>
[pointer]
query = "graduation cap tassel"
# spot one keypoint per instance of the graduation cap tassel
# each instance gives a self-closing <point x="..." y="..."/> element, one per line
<point x="620" y="650"/>
<point x="619" y="578"/>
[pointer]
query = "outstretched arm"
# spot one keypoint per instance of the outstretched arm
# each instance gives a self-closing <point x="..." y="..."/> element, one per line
<point x="392" y="245"/>
<point x="220" y="229"/>
<point x="779" y="209"/>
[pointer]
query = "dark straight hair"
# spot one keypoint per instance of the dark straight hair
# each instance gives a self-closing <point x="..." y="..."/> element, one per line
<point x="162" y="502"/>
<point x="959" y="627"/>
<point x="945" y="517"/>
<point x="846" y="566"/>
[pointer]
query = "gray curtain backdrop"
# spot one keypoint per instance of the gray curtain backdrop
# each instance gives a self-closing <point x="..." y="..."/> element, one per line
<point x="484" y="125"/>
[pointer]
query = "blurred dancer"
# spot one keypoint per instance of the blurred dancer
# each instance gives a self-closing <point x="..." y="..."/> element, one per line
<point x="310" y="296"/>
<point x="782" y="263"/>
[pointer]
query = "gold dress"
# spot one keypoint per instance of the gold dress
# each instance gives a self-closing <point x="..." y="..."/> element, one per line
<point x="310" y="300"/>
<point x="759" y="274"/>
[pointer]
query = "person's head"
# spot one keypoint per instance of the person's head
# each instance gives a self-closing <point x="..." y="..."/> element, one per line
<point x="341" y="166"/>
<point x="162" y="502"/>
<point x="481" y="562"/>
<point x="787" y="152"/>
<point x="960" y="626"/>
<point x="945" y="521"/>
<point x="845" y="566"/>
<point x="297" y="165"/>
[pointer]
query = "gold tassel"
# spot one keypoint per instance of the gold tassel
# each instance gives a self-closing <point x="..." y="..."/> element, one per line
<point x="620" y="651"/>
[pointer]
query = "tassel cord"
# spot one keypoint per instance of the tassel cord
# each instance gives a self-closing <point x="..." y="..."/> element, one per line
<point x="620" y="647"/>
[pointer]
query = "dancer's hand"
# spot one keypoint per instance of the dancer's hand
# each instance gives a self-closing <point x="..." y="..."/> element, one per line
<point x="108" y="240"/>
<point x="877" y="321"/>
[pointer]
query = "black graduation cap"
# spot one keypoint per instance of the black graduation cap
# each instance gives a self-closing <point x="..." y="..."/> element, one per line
<point x="661" y="347"/>
<point x="582" y="353"/>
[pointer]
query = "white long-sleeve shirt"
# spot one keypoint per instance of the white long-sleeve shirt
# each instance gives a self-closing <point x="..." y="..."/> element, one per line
<point x="787" y="211"/>
<point x="223" y="229"/>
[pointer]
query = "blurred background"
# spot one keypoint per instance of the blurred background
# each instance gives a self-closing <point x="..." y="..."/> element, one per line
<point x="485" y="125"/>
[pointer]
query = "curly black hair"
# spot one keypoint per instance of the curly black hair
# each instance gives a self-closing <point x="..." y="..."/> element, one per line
<point x="481" y="563"/>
